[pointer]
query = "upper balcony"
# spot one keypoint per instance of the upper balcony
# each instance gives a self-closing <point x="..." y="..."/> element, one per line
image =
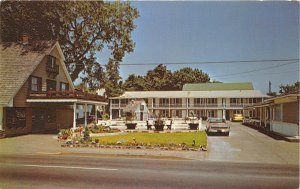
<point x="52" y="69"/>
<point x="65" y="95"/>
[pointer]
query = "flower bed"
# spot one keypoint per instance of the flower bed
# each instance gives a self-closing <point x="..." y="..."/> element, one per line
<point x="191" y="141"/>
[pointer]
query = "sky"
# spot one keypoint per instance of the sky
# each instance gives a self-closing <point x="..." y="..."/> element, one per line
<point x="184" y="32"/>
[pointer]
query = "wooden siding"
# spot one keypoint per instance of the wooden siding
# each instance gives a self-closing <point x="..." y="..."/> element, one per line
<point x="291" y="112"/>
<point x="64" y="118"/>
<point x="20" y="98"/>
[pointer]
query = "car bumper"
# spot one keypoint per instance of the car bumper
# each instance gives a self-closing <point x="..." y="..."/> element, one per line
<point x="212" y="130"/>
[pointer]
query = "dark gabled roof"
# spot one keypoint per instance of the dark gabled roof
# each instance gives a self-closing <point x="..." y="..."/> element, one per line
<point x="17" y="62"/>
<point x="217" y="86"/>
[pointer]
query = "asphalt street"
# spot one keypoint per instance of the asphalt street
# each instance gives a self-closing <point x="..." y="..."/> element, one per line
<point x="58" y="171"/>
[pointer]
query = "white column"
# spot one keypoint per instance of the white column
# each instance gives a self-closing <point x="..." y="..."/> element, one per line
<point x="85" y="110"/>
<point x="1" y="118"/>
<point x="152" y="104"/>
<point x="187" y="107"/>
<point x="110" y="110"/>
<point x="169" y="107"/>
<point x="96" y="116"/>
<point x="119" y="108"/>
<point x="74" y="116"/>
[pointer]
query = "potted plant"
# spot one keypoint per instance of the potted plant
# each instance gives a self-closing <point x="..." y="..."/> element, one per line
<point x="159" y="123"/>
<point x="194" y="124"/>
<point x="129" y="118"/>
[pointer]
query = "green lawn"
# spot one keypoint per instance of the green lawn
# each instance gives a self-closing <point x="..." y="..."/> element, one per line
<point x="152" y="139"/>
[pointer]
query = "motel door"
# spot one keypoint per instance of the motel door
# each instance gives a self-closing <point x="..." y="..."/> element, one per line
<point x="38" y="119"/>
<point x="227" y="116"/>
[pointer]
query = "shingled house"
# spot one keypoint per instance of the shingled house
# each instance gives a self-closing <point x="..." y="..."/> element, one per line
<point x="36" y="91"/>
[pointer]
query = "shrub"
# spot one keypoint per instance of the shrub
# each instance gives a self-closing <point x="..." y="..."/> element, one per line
<point x="105" y="117"/>
<point x="86" y="134"/>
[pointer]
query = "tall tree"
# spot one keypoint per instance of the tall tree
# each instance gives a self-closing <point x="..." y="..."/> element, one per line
<point x="188" y="75"/>
<point x="83" y="28"/>
<point x="160" y="78"/>
<point x="289" y="89"/>
<point x="134" y="83"/>
<point x="113" y="83"/>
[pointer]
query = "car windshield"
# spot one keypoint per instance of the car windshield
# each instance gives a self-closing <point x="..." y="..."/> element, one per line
<point x="217" y="120"/>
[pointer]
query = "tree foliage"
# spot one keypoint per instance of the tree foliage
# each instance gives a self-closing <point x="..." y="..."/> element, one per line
<point x="289" y="89"/>
<point x="113" y="82"/>
<point x="82" y="28"/>
<point x="160" y="78"/>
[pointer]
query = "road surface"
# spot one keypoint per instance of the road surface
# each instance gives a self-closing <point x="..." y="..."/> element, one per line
<point x="62" y="171"/>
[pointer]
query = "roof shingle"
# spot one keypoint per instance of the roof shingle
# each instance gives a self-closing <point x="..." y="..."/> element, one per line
<point x="17" y="62"/>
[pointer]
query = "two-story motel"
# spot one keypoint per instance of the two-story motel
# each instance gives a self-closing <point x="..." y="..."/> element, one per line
<point x="208" y="99"/>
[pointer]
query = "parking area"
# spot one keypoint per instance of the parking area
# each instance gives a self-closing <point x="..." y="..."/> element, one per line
<point x="245" y="144"/>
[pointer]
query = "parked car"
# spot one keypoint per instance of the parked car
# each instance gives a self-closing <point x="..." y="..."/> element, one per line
<point x="217" y="125"/>
<point x="246" y="120"/>
<point x="237" y="117"/>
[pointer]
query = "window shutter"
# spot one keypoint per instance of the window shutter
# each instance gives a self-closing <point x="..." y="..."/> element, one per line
<point x="39" y="84"/>
<point x="67" y="86"/>
<point x="29" y="83"/>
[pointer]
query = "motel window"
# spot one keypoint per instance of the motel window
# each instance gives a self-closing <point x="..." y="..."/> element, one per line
<point x="211" y="101"/>
<point x="51" y="61"/>
<point x="123" y="101"/>
<point x="64" y="86"/>
<point x="212" y="113"/>
<point x="35" y="83"/>
<point x="142" y="108"/>
<point x="199" y="101"/>
<point x="164" y="113"/>
<point x="164" y="101"/>
<point x="51" y="85"/>
<point x="278" y="113"/>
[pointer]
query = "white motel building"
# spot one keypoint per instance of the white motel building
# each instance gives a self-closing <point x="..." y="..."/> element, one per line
<point x="206" y="99"/>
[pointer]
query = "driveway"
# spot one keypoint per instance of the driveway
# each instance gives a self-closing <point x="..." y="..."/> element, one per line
<point x="245" y="144"/>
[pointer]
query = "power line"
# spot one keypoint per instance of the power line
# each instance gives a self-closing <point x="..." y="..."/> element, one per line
<point x="263" y="74"/>
<point x="208" y="62"/>
<point x="250" y="71"/>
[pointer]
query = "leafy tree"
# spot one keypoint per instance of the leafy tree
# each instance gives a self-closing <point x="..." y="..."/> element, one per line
<point x="113" y="83"/>
<point x="83" y="28"/>
<point x="289" y="89"/>
<point x="188" y="75"/>
<point x="160" y="78"/>
<point x="134" y="83"/>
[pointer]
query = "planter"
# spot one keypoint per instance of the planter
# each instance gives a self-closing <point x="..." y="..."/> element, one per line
<point x="131" y="125"/>
<point x="194" y="126"/>
<point x="159" y="127"/>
